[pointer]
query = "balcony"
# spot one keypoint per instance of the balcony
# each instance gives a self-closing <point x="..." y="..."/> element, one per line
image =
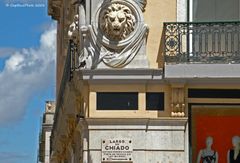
<point x="202" y="50"/>
<point x="205" y="42"/>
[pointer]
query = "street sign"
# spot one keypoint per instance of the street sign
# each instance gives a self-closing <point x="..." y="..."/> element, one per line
<point x="117" y="150"/>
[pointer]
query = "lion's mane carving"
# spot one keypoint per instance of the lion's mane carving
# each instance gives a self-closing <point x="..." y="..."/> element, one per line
<point x="117" y="21"/>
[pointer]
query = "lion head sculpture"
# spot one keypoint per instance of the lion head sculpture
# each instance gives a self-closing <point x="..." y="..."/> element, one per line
<point x="117" y="21"/>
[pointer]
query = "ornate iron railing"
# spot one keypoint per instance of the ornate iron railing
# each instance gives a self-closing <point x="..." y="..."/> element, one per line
<point x="212" y="42"/>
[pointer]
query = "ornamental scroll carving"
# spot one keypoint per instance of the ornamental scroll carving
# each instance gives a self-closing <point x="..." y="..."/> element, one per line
<point x="116" y="35"/>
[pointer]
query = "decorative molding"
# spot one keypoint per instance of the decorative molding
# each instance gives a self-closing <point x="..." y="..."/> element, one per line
<point x="73" y="31"/>
<point x="178" y="101"/>
<point x="142" y="4"/>
<point x="136" y="123"/>
<point x="50" y="107"/>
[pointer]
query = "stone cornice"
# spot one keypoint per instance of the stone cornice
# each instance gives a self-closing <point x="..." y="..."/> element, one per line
<point x="207" y="80"/>
<point x="141" y="76"/>
<point x="163" y="123"/>
<point x="100" y="76"/>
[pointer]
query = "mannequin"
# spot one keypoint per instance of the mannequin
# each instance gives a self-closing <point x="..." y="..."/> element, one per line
<point x="233" y="155"/>
<point x="208" y="155"/>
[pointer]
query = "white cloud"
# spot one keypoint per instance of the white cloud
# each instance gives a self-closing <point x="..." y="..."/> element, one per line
<point x="26" y="72"/>
<point x="15" y="62"/>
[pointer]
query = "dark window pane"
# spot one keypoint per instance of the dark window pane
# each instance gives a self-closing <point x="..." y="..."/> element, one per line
<point x="117" y="101"/>
<point x="214" y="93"/>
<point x="155" y="101"/>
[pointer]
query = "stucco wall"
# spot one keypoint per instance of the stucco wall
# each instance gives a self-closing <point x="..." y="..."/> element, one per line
<point x="141" y="112"/>
<point x="157" y="12"/>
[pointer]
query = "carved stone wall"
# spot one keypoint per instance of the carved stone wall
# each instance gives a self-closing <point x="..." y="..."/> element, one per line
<point x="115" y="38"/>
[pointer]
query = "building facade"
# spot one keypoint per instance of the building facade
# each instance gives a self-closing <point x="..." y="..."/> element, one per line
<point x="146" y="81"/>
<point x="45" y="133"/>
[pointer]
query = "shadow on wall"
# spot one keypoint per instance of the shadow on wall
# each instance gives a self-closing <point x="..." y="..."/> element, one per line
<point x="90" y="160"/>
<point x="160" y="56"/>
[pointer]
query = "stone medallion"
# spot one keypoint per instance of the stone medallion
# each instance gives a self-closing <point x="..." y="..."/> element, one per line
<point x="116" y="36"/>
<point x="117" y="21"/>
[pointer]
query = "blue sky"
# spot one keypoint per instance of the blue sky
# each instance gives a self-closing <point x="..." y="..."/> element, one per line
<point x="27" y="78"/>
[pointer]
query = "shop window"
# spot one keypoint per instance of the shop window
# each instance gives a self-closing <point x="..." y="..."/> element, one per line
<point x="117" y="101"/>
<point x="214" y="93"/>
<point x="155" y="101"/>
